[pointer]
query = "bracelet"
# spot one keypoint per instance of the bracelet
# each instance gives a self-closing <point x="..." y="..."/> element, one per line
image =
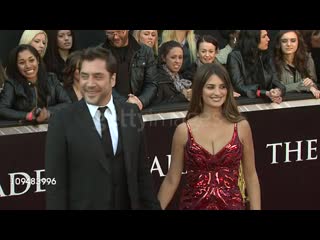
<point x="30" y="116"/>
<point x="258" y="93"/>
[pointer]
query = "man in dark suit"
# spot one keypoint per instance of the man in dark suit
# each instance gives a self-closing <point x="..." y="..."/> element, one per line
<point x="95" y="148"/>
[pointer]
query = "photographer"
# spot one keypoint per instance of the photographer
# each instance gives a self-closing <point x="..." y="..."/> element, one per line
<point x="30" y="93"/>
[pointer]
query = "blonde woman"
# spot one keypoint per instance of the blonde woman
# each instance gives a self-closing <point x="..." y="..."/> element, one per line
<point x="37" y="39"/>
<point x="148" y="37"/>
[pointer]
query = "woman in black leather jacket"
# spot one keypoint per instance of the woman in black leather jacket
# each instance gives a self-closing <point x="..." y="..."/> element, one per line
<point x="251" y="69"/>
<point x="30" y="93"/>
<point x="171" y="87"/>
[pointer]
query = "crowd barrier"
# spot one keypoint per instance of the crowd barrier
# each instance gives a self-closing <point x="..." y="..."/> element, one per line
<point x="286" y="150"/>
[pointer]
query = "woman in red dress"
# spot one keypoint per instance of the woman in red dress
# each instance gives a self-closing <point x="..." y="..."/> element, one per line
<point x="210" y="145"/>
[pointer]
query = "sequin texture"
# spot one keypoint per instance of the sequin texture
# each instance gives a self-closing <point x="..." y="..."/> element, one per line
<point x="212" y="180"/>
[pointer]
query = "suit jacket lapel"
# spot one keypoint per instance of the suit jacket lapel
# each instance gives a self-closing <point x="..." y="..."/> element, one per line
<point x="94" y="137"/>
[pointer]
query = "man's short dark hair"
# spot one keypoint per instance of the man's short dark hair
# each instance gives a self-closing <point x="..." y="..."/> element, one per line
<point x="93" y="53"/>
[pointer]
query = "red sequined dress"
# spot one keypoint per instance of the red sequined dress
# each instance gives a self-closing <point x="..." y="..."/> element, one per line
<point x="212" y="180"/>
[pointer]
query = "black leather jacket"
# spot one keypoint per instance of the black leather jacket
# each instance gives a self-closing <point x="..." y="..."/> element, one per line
<point x="167" y="92"/>
<point x="247" y="85"/>
<point x="14" y="104"/>
<point x="142" y="72"/>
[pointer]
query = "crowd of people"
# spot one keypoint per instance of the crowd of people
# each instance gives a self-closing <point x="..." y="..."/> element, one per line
<point x="158" y="67"/>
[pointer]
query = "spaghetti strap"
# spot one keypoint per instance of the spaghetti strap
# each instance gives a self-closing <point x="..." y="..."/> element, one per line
<point x="189" y="131"/>
<point x="235" y="132"/>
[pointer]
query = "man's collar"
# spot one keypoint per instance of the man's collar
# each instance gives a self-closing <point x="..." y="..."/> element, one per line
<point x="94" y="108"/>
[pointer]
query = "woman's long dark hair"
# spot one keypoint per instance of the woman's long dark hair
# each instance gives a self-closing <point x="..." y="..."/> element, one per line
<point x="72" y="65"/>
<point x="14" y="74"/>
<point x="3" y="75"/>
<point x="52" y="57"/>
<point x="229" y="108"/>
<point x="251" y="54"/>
<point x="300" y="60"/>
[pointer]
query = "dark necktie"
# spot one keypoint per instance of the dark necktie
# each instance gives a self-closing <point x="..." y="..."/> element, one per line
<point x="105" y="132"/>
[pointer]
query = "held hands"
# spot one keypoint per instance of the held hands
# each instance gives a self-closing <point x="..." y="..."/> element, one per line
<point x="275" y="92"/>
<point x="135" y="100"/>
<point x="275" y="95"/>
<point x="43" y="116"/>
<point x="39" y="115"/>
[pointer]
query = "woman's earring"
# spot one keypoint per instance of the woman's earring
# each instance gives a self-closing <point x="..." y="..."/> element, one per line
<point x="235" y="40"/>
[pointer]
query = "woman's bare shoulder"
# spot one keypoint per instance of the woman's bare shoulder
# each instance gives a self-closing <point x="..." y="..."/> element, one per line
<point x="244" y="130"/>
<point x="181" y="131"/>
<point x="244" y="124"/>
<point x="181" y="128"/>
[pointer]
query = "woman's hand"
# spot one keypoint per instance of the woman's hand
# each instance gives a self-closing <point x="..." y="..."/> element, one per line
<point x="275" y="92"/>
<point x="308" y="82"/>
<point x="43" y="116"/>
<point x="187" y="93"/>
<point x="235" y="94"/>
<point x="315" y="92"/>
<point x="275" y="95"/>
